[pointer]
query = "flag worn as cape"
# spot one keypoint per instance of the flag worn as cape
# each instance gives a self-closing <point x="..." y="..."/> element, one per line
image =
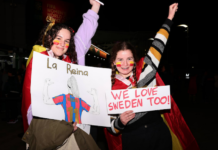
<point x="182" y="138"/>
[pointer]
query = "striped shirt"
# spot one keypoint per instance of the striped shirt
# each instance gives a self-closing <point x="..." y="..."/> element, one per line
<point x="72" y="106"/>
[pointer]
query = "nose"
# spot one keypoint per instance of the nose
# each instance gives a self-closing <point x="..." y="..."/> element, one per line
<point x="125" y="63"/>
<point x="62" y="43"/>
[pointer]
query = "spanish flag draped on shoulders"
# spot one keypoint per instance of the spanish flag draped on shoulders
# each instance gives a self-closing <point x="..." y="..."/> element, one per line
<point x="147" y="76"/>
<point x="26" y="99"/>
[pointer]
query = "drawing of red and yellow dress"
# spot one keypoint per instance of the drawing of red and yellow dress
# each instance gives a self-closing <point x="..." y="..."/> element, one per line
<point x="72" y="106"/>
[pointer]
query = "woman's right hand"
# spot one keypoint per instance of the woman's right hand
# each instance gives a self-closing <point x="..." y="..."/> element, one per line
<point x="95" y="5"/>
<point x="127" y="116"/>
<point x="74" y="126"/>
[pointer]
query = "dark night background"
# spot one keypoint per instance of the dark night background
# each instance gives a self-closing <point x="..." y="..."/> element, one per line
<point x="136" y="21"/>
<point x="130" y="17"/>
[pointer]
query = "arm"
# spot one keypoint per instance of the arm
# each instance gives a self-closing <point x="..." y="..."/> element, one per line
<point x="86" y="31"/>
<point x="156" y="50"/>
<point x="46" y="99"/>
<point x="94" y="109"/>
<point x="149" y="64"/>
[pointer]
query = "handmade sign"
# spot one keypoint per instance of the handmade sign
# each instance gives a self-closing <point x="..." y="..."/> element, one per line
<point x="138" y="100"/>
<point x="65" y="91"/>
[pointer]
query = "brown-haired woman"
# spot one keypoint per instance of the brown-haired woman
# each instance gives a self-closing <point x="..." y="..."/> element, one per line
<point x="144" y="130"/>
<point x="58" y="41"/>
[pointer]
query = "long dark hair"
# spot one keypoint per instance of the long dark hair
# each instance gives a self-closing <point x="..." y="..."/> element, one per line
<point x="51" y="35"/>
<point x="116" y="48"/>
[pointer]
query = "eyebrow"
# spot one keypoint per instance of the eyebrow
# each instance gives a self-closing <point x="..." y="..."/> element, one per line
<point x="59" y="35"/>
<point x="62" y="37"/>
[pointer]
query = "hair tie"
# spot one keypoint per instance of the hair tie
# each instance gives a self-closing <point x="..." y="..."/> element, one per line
<point x="52" y="22"/>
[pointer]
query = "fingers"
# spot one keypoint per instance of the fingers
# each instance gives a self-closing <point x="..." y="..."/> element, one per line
<point x="127" y="116"/>
<point x="174" y="6"/>
<point x="74" y="126"/>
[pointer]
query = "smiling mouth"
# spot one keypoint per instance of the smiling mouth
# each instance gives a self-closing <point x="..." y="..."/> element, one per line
<point x="124" y="68"/>
<point x="60" y="48"/>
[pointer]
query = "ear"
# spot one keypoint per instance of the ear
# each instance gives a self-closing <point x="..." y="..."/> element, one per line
<point x="114" y="63"/>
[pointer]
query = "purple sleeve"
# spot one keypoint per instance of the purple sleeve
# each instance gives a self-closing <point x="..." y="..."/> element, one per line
<point x="84" y="35"/>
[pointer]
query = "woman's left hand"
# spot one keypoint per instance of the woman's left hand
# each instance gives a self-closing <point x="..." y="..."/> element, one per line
<point x="74" y="126"/>
<point x="172" y="10"/>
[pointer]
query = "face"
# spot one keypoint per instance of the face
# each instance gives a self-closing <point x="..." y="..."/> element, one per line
<point x="61" y="42"/>
<point x="124" y="62"/>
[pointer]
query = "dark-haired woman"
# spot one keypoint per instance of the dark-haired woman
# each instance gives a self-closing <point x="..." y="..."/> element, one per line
<point x="144" y="130"/>
<point x="61" y="43"/>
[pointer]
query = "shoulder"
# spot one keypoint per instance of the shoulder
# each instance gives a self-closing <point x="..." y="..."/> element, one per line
<point x="44" y="52"/>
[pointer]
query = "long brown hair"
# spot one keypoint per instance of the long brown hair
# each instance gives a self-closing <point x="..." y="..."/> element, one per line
<point x="51" y="35"/>
<point x="116" y="48"/>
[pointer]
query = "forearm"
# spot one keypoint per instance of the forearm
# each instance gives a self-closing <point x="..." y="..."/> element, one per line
<point x="84" y="34"/>
<point x="116" y="126"/>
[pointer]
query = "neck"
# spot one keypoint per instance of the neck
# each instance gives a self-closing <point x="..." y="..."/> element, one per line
<point x="126" y="75"/>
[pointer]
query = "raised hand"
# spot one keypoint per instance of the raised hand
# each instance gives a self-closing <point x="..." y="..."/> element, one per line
<point x="95" y="5"/>
<point x="172" y="10"/>
<point x="127" y="116"/>
<point x="93" y="2"/>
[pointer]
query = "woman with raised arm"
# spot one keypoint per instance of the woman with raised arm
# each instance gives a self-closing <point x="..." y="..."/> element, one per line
<point x="58" y="41"/>
<point x="144" y="130"/>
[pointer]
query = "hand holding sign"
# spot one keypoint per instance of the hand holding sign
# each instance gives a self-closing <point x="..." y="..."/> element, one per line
<point x="127" y="116"/>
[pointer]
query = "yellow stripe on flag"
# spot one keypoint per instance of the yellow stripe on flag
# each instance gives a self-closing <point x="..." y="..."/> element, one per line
<point x="156" y="54"/>
<point x="163" y="32"/>
<point x="36" y="48"/>
<point x="176" y="145"/>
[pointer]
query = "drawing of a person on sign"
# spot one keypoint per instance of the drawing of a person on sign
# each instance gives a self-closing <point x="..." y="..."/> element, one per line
<point x="72" y="103"/>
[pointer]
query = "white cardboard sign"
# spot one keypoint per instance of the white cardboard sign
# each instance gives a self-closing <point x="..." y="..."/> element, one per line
<point x="138" y="100"/>
<point x="70" y="92"/>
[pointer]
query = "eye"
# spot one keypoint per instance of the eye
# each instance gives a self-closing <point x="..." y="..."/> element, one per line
<point x="119" y="59"/>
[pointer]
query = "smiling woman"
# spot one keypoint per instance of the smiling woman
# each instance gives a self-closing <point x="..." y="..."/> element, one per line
<point x="58" y="41"/>
<point x="143" y="130"/>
